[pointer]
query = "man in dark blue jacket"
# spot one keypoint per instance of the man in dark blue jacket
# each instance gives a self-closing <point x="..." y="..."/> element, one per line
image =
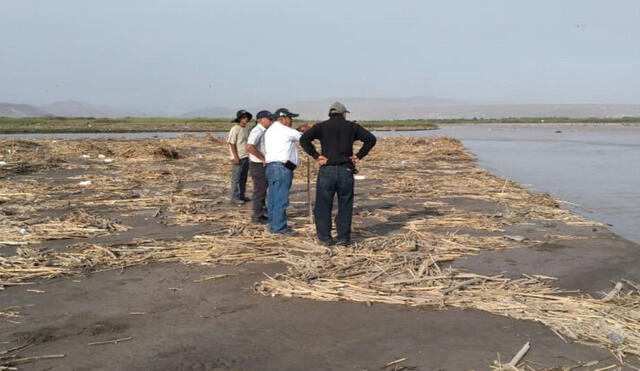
<point x="337" y="166"/>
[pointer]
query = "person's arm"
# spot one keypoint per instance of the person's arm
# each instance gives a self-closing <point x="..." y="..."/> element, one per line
<point x="234" y="153"/>
<point x="368" y="141"/>
<point x="308" y="137"/>
<point x="254" y="151"/>
<point x="294" y="135"/>
<point x="232" y="139"/>
<point x="306" y="140"/>
<point x="255" y="136"/>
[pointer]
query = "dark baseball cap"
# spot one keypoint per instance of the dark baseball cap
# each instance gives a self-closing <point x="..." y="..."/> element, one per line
<point x="265" y="114"/>
<point x="283" y="112"/>
<point x="242" y="113"/>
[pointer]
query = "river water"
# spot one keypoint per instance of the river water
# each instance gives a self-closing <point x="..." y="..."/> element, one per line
<point x="594" y="167"/>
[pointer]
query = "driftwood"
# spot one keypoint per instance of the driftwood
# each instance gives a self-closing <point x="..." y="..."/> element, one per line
<point x="461" y="285"/>
<point x="114" y="341"/>
<point x="521" y="353"/>
<point x="613" y="293"/>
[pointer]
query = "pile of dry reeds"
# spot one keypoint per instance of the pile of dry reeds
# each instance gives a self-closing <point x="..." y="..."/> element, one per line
<point x="79" y="224"/>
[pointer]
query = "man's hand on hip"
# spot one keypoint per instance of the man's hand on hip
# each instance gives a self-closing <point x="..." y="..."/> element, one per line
<point x="322" y="160"/>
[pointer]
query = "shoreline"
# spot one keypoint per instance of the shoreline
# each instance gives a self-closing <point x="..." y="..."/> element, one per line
<point x="140" y="125"/>
<point x="371" y="128"/>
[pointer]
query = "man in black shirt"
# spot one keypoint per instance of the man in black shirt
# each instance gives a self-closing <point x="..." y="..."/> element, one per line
<point x="337" y="165"/>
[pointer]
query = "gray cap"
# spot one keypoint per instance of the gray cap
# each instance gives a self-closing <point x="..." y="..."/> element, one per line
<point x="338" y="107"/>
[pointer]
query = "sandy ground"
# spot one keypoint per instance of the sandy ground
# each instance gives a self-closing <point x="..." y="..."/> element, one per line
<point x="174" y="322"/>
<point x="224" y="325"/>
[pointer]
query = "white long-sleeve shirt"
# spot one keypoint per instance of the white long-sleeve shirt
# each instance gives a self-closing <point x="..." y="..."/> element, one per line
<point x="280" y="144"/>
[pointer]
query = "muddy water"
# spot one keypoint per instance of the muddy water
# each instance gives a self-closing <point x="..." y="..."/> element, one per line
<point x="597" y="168"/>
<point x="594" y="167"/>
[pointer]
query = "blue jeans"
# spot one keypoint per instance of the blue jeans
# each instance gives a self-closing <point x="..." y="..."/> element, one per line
<point x="279" y="179"/>
<point x="334" y="180"/>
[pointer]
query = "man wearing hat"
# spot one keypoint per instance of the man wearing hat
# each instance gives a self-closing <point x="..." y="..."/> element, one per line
<point x="257" y="163"/>
<point x="237" y="140"/>
<point x="337" y="166"/>
<point x="282" y="158"/>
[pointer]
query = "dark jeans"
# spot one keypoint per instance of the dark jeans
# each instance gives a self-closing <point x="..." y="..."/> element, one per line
<point x="259" y="189"/>
<point x="334" y="180"/>
<point x="239" y="179"/>
<point x="279" y="179"/>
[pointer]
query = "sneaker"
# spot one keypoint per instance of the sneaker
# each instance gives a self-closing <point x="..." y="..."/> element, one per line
<point x="344" y="243"/>
<point x="245" y="199"/>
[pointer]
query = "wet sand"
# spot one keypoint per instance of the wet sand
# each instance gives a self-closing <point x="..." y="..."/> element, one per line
<point x="177" y="324"/>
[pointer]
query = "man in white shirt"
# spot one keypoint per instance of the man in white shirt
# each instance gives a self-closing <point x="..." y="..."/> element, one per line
<point x="282" y="158"/>
<point x="257" y="163"/>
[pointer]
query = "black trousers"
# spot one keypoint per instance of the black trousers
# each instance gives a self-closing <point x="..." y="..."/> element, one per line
<point x="334" y="180"/>
<point x="256" y="170"/>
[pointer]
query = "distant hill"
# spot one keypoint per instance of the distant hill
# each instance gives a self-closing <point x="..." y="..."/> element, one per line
<point x="21" y="110"/>
<point x="435" y="108"/>
<point x="361" y="109"/>
<point x="68" y="108"/>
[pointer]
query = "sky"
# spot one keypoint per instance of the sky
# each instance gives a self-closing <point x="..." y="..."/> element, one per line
<point x="175" y="56"/>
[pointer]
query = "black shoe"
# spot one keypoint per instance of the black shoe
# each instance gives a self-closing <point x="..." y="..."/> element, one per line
<point x="260" y="220"/>
<point x="344" y="243"/>
<point x="326" y="242"/>
<point x="287" y="231"/>
<point x="240" y="200"/>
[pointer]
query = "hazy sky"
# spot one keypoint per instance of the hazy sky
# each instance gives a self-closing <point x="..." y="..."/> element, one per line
<point x="176" y="56"/>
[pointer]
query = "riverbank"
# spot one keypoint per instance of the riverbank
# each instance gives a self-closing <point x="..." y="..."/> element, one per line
<point x="157" y="124"/>
<point x="52" y="125"/>
<point x="181" y="264"/>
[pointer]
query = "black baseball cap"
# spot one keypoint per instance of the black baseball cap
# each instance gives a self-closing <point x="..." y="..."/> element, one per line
<point x="242" y="113"/>
<point x="265" y="113"/>
<point x="283" y="112"/>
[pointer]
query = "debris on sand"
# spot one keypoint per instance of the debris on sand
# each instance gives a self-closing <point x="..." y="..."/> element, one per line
<point x="409" y="231"/>
<point x="151" y="151"/>
<point x="11" y="358"/>
<point x="168" y="153"/>
<point x="23" y="229"/>
<point x="10" y="314"/>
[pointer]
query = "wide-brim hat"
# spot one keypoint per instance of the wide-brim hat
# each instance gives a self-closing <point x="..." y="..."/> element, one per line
<point x="283" y="112"/>
<point x="242" y="113"/>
